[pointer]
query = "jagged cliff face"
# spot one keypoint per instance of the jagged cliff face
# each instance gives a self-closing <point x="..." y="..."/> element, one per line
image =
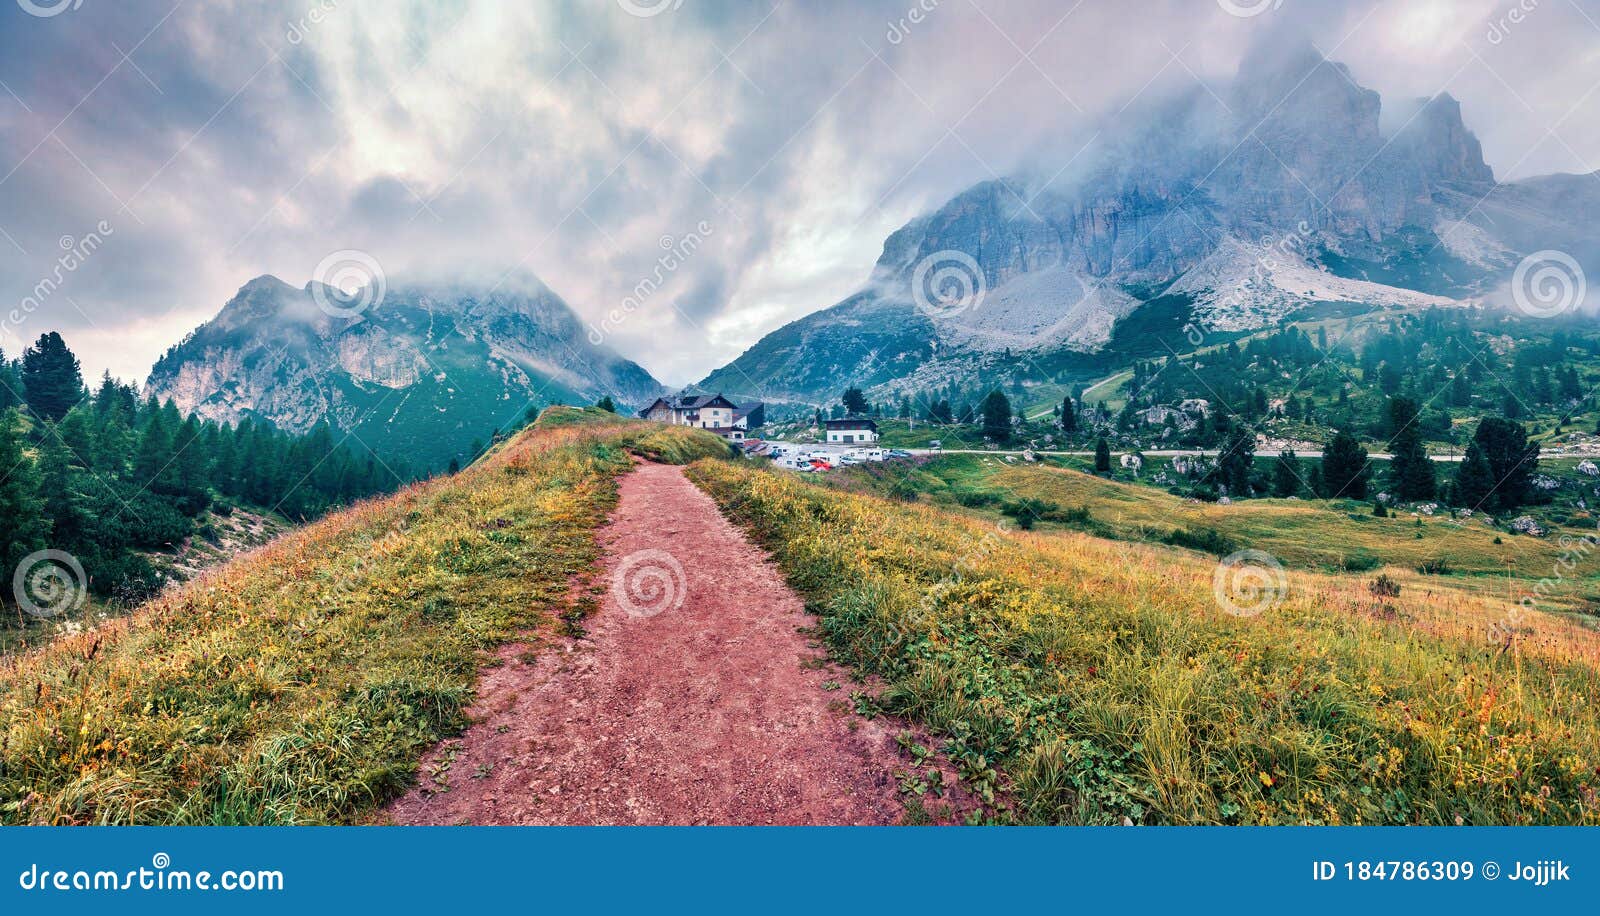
<point x="417" y="376"/>
<point x="1249" y="207"/>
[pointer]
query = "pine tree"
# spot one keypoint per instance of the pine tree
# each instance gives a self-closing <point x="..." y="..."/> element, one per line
<point x="1474" y="479"/>
<point x="153" y="459"/>
<point x="51" y="378"/>
<point x="1411" y="471"/>
<point x="1511" y="406"/>
<point x="1069" y="416"/>
<point x="23" y="525"/>
<point x="854" y="401"/>
<point x="1286" y="475"/>
<point x="1236" y="460"/>
<point x="77" y="431"/>
<point x="1102" y="456"/>
<point x="606" y="404"/>
<point x="189" y="465"/>
<point x="114" y="440"/>
<point x="996" y="417"/>
<point x="61" y="499"/>
<point x="1511" y="461"/>
<point x="108" y="395"/>
<point x="1344" y="467"/>
<point x="10" y="384"/>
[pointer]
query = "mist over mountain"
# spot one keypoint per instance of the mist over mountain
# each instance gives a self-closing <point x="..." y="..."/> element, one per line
<point x="418" y="370"/>
<point x="1229" y="211"/>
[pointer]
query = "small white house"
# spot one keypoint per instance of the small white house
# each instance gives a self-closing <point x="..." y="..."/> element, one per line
<point x="851" y="431"/>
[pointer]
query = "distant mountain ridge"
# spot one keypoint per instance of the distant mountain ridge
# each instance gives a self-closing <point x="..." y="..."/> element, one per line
<point x="1240" y="209"/>
<point x="421" y="373"/>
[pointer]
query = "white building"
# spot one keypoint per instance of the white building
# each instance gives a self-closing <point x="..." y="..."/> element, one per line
<point x="710" y="412"/>
<point x="851" y="431"/>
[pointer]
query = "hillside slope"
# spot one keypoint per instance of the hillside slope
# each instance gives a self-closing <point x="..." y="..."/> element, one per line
<point x="1091" y="681"/>
<point x="1071" y="679"/>
<point x="303" y="683"/>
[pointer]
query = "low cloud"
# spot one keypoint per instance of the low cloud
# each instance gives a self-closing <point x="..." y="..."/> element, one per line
<point x="566" y="140"/>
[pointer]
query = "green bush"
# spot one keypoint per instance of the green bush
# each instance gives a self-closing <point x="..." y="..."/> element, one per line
<point x="1205" y="540"/>
<point x="1028" y="510"/>
<point x="975" y="499"/>
<point x="1359" y="561"/>
<point x="1385" y="587"/>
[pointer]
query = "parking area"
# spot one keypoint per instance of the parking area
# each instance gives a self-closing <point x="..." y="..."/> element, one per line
<point x="812" y="457"/>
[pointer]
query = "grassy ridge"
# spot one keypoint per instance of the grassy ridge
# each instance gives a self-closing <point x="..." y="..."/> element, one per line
<point x="302" y="683"/>
<point x="1103" y="680"/>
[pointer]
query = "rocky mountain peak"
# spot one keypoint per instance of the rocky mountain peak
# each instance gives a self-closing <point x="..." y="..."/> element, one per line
<point x="1177" y="199"/>
<point x="1436" y="137"/>
<point x="422" y="372"/>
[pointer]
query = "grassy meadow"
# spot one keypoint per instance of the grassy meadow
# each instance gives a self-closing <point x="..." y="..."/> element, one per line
<point x="1078" y="680"/>
<point x="1327" y="535"/>
<point x="301" y="684"/>
<point x="1074" y="673"/>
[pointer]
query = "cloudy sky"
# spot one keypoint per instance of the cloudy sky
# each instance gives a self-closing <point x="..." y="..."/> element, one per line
<point x="194" y="145"/>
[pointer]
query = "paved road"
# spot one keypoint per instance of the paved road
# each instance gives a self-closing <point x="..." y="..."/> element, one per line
<point x="1148" y="453"/>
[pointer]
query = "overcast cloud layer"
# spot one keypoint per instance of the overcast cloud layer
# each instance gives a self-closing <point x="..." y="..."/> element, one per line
<point x="196" y="145"/>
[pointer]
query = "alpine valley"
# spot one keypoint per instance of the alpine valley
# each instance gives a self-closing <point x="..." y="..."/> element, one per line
<point x="1218" y="213"/>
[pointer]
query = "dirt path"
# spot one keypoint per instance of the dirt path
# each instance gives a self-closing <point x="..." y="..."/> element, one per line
<point x="691" y="702"/>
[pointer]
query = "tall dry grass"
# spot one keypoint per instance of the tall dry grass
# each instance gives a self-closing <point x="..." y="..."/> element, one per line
<point x="1082" y="680"/>
<point x="301" y="684"/>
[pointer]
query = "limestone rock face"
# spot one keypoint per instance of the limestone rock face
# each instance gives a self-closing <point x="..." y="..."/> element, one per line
<point x="1242" y="208"/>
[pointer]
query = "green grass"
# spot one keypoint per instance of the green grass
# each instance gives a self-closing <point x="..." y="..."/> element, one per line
<point x="1318" y="534"/>
<point x="302" y="684"/>
<point x="1078" y="680"/>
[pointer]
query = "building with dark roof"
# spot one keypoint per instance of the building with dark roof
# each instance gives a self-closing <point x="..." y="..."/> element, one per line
<point x="708" y="411"/>
<point x="851" y="431"/>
